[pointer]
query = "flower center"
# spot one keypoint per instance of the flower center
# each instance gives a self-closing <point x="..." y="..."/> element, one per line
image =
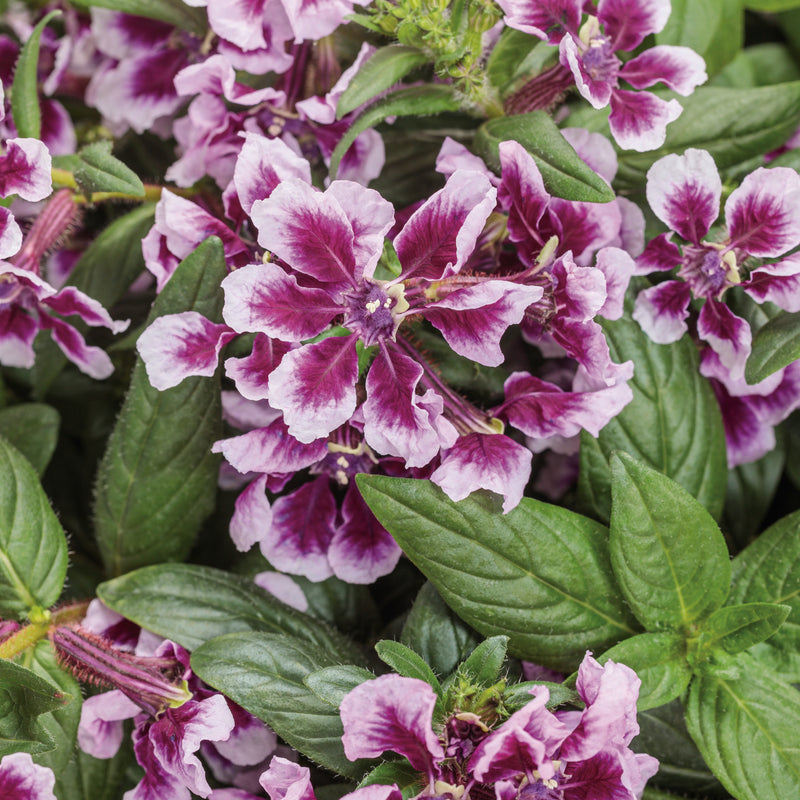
<point x="10" y="288"/>
<point x="599" y="60"/>
<point x="708" y="270"/>
<point x="372" y="311"/>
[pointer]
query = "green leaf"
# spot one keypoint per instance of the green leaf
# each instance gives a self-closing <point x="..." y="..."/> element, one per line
<point x="157" y="480"/>
<point x="712" y="28"/>
<point x="33" y="429"/>
<point x="99" y="171"/>
<point x="539" y="574"/>
<point x="266" y="675"/>
<point x="24" y="92"/>
<point x="486" y="660"/>
<point x="331" y="684"/>
<point x="669" y="556"/>
<point x="673" y="423"/>
<point x="24" y="697"/>
<point x="381" y="71"/>
<point x="191" y="604"/>
<point x="89" y="778"/>
<point x="760" y="65"/>
<point x="662" y="730"/>
<point x="738" y="627"/>
<point x="775" y="346"/>
<point x="416" y="101"/>
<point x="62" y="722"/>
<point x="748" y="731"/>
<point x="401" y="773"/>
<point x="768" y="571"/>
<point x="436" y="633"/>
<point x="405" y="661"/>
<point x="174" y="12"/>
<point x="515" y="58"/>
<point x="771" y="5"/>
<point x="518" y="694"/>
<point x="33" y="548"/>
<point x="564" y="172"/>
<point x="723" y="122"/>
<point x="659" y="659"/>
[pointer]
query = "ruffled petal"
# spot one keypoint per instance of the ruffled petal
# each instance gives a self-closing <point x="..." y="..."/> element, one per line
<point x="679" y="68"/>
<point x="662" y="310"/>
<point x="639" y="120"/>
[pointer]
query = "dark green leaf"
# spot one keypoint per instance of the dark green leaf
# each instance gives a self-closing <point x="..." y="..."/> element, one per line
<point x="662" y="730"/>
<point x="62" y="722"/>
<point x="24" y="697"/>
<point x="760" y="65"/>
<point x="266" y="674"/>
<point x="157" y="480"/>
<point x="436" y="633"/>
<point x="174" y="12"/>
<point x="486" y="660"/>
<point x="775" y="345"/>
<point x="768" y="571"/>
<point x="673" y="422"/>
<point x="191" y="604"/>
<point x="417" y="101"/>
<point x="736" y="628"/>
<point x="99" y="171"/>
<point x="564" y="173"/>
<point x="405" y="661"/>
<point x="33" y="548"/>
<point x="331" y="684"/>
<point x="347" y="606"/>
<point x="748" y="731"/>
<point x="518" y="694"/>
<point x="539" y="574"/>
<point x="722" y="122"/>
<point x="712" y="28"/>
<point x="659" y="659"/>
<point x="669" y="556"/>
<point x="24" y="91"/>
<point x="771" y="5"/>
<point x="384" y="68"/>
<point x="33" y="429"/>
<point x="89" y="778"/>
<point x="751" y="489"/>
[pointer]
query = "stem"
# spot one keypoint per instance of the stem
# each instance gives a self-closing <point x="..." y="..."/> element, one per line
<point x="152" y="191"/>
<point x="23" y="639"/>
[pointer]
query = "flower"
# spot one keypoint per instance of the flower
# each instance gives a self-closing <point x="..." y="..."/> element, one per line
<point x="21" y="779"/>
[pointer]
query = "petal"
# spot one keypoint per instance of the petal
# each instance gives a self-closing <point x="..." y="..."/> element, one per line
<point x="92" y="361"/>
<point x="285" y="780"/>
<point x="262" y="164"/>
<point x="251" y="373"/>
<point x="70" y="300"/>
<point x="542" y="410"/>
<point x="453" y="155"/>
<point x="309" y="231"/>
<point x="265" y="299"/>
<point x="763" y="214"/>
<point x="100" y="730"/>
<point x="639" y="120"/>
<point x="579" y="292"/>
<point x="270" y="450"/>
<point x="662" y="310"/>
<point x="485" y="461"/>
<point x="391" y="713"/>
<point x="441" y="234"/>
<point x="679" y="68"/>
<point x="596" y="90"/>
<point x="627" y="22"/>
<point x="21" y="779"/>
<point x="371" y="218"/>
<point x="282" y="587"/>
<point x="216" y="76"/>
<point x="584" y="227"/>
<point x="547" y="19"/>
<point x="314" y="19"/>
<point x="17" y="332"/>
<point x="728" y="335"/>
<point x="177" y="346"/>
<point x="777" y="283"/>
<point x="25" y="169"/>
<point x="252" y="516"/>
<point x="361" y="550"/>
<point x="10" y="234"/>
<point x="594" y="149"/>
<point x="395" y="421"/>
<point x="303" y="524"/>
<point x="315" y="387"/>
<point x="474" y="319"/>
<point x="684" y="192"/>
<point x="747" y="437"/>
<point x="239" y="21"/>
<point x="660" y="255"/>
<point x="618" y="268"/>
